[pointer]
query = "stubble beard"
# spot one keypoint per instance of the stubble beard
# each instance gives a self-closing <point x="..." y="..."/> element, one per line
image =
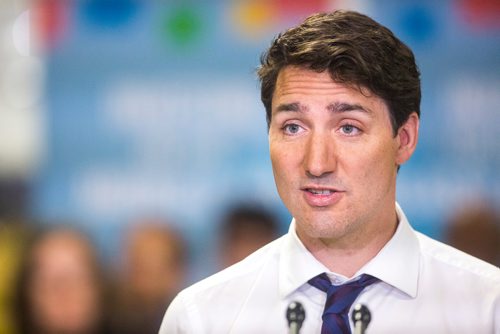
<point x="329" y="228"/>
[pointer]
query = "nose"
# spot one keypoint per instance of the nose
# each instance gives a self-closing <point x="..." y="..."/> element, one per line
<point x="319" y="159"/>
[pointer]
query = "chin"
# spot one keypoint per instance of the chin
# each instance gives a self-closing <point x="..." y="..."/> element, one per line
<point x="323" y="226"/>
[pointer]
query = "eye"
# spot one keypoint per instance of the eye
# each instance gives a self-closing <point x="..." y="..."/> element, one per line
<point x="349" y="129"/>
<point x="292" y="129"/>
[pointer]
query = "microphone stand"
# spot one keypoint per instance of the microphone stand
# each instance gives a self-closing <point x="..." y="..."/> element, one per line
<point x="295" y="315"/>
<point x="361" y="317"/>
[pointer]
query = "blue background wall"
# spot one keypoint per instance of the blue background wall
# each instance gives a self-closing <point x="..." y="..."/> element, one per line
<point x="154" y="109"/>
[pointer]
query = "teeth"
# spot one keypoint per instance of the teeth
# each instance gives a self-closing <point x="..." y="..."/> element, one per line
<point x="320" y="192"/>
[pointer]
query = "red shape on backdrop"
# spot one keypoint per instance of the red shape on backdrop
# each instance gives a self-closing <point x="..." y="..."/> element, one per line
<point x="481" y="13"/>
<point x="50" y="20"/>
<point x="293" y="9"/>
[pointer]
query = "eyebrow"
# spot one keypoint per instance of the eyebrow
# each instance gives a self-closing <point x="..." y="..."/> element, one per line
<point x="340" y="107"/>
<point x="337" y="107"/>
<point x="295" y="106"/>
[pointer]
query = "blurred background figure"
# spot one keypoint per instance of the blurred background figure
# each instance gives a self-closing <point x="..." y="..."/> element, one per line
<point x="475" y="229"/>
<point x="13" y="235"/>
<point x="61" y="287"/>
<point x="245" y="229"/>
<point x="153" y="271"/>
<point x="14" y="231"/>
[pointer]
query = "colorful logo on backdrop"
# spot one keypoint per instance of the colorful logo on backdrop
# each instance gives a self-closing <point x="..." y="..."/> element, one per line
<point x="182" y="23"/>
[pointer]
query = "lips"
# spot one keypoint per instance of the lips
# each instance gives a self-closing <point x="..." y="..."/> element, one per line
<point x="320" y="191"/>
<point x="321" y="196"/>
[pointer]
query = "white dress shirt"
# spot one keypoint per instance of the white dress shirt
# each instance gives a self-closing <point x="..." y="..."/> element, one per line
<point x="426" y="287"/>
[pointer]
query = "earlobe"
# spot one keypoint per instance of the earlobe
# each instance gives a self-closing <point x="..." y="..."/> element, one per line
<point x="407" y="138"/>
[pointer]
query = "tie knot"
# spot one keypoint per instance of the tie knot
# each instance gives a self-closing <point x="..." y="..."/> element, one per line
<point x="323" y="283"/>
<point x="339" y="299"/>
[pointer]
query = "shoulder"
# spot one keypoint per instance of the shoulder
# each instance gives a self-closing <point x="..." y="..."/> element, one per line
<point x="244" y="270"/>
<point x="448" y="259"/>
<point x="215" y="300"/>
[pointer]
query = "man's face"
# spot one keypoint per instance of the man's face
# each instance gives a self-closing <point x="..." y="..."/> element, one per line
<point x="334" y="155"/>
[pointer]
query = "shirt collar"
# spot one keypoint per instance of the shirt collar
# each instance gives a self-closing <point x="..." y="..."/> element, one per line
<point x="298" y="265"/>
<point x="398" y="262"/>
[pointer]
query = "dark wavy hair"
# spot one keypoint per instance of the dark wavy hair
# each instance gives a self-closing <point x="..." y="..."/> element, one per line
<point x="356" y="51"/>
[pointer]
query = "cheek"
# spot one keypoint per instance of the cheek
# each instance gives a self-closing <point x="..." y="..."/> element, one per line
<point x="379" y="179"/>
<point x="284" y="170"/>
<point x="279" y="171"/>
<point x="284" y="161"/>
<point x="277" y="156"/>
<point x="373" y="162"/>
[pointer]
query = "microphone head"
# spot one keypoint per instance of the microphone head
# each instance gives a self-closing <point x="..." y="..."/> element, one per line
<point x="295" y="313"/>
<point x="361" y="313"/>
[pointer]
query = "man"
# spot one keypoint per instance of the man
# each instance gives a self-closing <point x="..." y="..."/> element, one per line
<point x="342" y="97"/>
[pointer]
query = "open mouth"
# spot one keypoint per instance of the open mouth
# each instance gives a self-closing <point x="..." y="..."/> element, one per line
<point x="320" y="191"/>
<point x="321" y="197"/>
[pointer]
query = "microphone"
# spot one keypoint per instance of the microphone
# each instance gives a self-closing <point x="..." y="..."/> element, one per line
<point x="361" y="317"/>
<point x="295" y="315"/>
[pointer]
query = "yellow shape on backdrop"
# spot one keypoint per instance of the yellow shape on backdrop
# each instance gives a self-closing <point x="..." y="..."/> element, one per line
<point x="253" y="19"/>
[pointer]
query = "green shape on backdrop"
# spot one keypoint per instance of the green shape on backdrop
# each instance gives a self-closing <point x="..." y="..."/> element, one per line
<point x="183" y="26"/>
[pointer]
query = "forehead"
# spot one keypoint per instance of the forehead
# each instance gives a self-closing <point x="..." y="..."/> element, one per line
<point x="298" y="84"/>
<point x="293" y="78"/>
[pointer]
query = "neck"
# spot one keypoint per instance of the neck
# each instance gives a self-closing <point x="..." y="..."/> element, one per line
<point x="349" y="253"/>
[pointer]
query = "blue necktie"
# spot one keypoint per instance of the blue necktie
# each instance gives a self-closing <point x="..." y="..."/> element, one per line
<point x="339" y="299"/>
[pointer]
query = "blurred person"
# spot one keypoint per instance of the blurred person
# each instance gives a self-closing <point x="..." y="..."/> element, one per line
<point x="342" y="98"/>
<point x="475" y="229"/>
<point x="245" y="229"/>
<point x="153" y="272"/>
<point x="61" y="285"/>
<point x="14" y="233"/>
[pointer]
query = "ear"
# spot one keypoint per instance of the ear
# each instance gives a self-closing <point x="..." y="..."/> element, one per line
<point x="407" y="138"/>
